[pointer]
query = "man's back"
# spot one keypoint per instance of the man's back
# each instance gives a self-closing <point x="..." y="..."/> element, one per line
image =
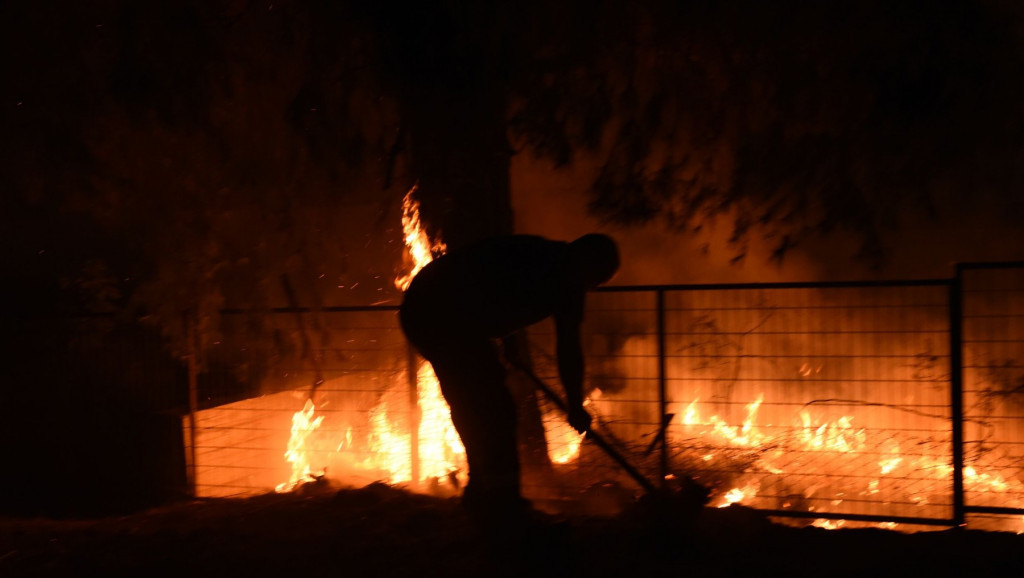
<point x="497" y="286"/>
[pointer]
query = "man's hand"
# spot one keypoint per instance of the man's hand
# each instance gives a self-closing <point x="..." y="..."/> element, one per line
<point x="579" y="419"/>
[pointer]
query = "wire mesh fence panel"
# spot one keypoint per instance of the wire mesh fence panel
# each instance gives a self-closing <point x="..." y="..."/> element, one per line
<point x="323" y="393"/>
<point x="993" y="376"/>
<point x="831" y="401"/>
<point x="239" y="446"/>
<point x="828" y="401"/>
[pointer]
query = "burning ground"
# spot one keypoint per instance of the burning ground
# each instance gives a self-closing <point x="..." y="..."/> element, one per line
<point x="383" y="531"/>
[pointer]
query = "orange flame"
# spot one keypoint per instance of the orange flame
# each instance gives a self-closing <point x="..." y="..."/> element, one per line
<point x="737" y="495"/>
<point x="303" y="424"/>
<point x="562" y="440"/>
<point x="417" y="241"/>
<point x="836" y="436"/>
<point x="746" y="435"/>
<point x="439" y="449"/>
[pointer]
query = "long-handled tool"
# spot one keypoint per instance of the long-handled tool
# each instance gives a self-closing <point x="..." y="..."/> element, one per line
<point x="595" y="436"/>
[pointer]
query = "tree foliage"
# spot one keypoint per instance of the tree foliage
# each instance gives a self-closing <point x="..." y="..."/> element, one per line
<point x="209" y="147"/>
<point x="789" y="120"/>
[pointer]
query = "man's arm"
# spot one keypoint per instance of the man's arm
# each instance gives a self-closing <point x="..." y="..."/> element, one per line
<point x="570" y="362"/>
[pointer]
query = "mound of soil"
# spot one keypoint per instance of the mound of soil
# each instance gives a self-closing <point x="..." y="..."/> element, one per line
<point x="381" y="531"/>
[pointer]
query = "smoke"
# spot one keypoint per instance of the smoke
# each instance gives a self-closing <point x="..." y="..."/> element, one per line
<point x="553" y="203"/>
<point x="825" y="141"/>
<point x="964" y="226"/>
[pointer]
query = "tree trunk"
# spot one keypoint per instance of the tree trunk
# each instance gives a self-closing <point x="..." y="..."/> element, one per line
<point x="460" y="155"/>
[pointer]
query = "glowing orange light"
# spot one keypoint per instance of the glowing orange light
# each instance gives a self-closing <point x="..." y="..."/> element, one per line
<point x="563" y="441"/>
<point x="439" y="450"/>
<point x="303" y="424"/>
<point x="417" y="241"/>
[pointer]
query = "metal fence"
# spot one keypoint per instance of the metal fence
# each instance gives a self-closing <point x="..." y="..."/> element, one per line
<point x="361" y="356"/>
<point x="823" y="401"/>
<point x="990" y="324"/>
<point x="893" y="403"/>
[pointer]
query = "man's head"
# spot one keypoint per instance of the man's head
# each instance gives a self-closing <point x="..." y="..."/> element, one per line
<point x="595" y="257"/>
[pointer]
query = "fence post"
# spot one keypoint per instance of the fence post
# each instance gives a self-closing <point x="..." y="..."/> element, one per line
<point x="662" y="395"/>
<point x="414" y="418"/>
<point x="193" y="399"/>
<point x="957" y="393"/>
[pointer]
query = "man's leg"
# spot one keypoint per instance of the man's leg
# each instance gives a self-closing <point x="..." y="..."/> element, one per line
<point x="472" y="380"/>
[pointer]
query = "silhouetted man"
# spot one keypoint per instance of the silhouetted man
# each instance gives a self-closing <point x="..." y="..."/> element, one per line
<point x="461" y="302"/>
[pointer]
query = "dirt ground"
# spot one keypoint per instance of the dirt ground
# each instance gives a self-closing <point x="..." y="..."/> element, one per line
<point x="379" y="531"/>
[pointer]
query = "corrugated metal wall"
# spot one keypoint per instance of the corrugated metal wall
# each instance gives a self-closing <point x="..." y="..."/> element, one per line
<point x="812" y="400"/>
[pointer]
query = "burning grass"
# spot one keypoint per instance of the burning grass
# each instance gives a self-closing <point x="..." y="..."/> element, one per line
<point x="382" y="531"/>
